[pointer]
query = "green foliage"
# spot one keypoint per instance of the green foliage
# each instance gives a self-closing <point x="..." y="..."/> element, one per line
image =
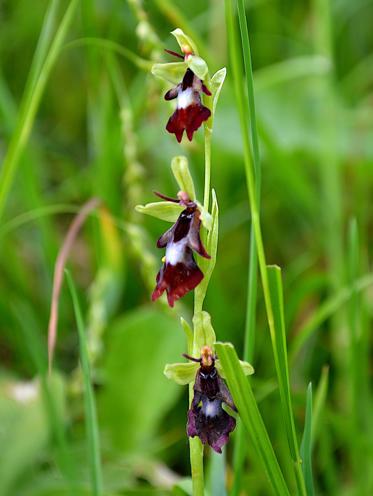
<point x="25" y="428"/>
<point x="139" y="346"/>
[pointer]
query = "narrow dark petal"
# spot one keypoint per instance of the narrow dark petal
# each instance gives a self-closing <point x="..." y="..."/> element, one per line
<point x="172" y="93"/>
<point x="175" y="54"/>
<point x="166" y="238"/>
<point x="225" y="395"/>
<point x="191" y="424"/>
<point x="165" y="197"/>
<point x="194" y="238"/>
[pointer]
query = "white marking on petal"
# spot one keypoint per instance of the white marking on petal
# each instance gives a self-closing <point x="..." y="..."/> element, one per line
<point x="211" y="408"/>
<point x="185" y="98"/>
<point x="175" y="252"/>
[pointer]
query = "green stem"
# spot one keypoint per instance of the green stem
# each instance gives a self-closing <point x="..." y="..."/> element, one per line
<point x="206" y="196"/>
<point x="196" y="447"/>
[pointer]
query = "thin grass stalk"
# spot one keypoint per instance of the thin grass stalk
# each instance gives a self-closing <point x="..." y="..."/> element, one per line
<point x="30" y="105"/>
<point x="306" y="446"/>
<point x="282" y="368"/>
<point x="93" y="438"/>
<point x="250" y="323"/>
<point x="352" y="373"/>
<point x="325" y="311"/>
<point x="244" y="114"/>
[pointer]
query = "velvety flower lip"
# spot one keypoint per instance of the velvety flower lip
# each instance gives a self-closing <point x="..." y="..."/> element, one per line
<point x="190" y="113"/>
<point x="180" y="273"/>
<point x="206" y="417"/>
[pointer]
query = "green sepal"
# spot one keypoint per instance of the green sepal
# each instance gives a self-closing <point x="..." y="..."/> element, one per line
<point x="246" y="367"/>
<point x="180" y="169"/>
<point x="181" y="373"/>
<point x="185" y="373"/>
<point x="216" y="84"/>
<point x="186" y="43"/>
<point x="203" y="330"/>
<point x="198" y="66"/>
<point x="173" y="72"/>
<point x="164" y="210"/>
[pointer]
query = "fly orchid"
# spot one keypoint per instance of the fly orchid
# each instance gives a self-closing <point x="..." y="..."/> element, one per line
<point x="180" y="273"/>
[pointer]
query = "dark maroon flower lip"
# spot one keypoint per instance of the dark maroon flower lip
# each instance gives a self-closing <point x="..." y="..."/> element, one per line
<point x="180" y="273"/>
<point x="190" y="113"/>
<point x="206" y="417"/>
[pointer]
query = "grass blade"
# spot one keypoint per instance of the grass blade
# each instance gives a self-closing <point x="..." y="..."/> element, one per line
<point x="326" y="310"/>
<point x="31" y="100"/>
<point x="282" y="369"/>
<point x="93" y="441"/>
<point x="249" y="340"/>
<point x="244" y="399"/>
<point x="306" y="446"/>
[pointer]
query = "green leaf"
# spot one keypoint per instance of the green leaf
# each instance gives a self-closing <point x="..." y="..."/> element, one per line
<point x="173" y="72"/>
<point x="216" y="85"/>
<point x="164" y="210"/>
<point x="198" y="66"/>
<point x="246" y="367"/>
<point x="139" y="344"/>
<point x="180" y="169"/>
<point x="244" y="399"/>
<point x="306" y="446"/>
<point x="181" y="373"/>
<point x="204" y="332"/>
<point x="186" y="43"/>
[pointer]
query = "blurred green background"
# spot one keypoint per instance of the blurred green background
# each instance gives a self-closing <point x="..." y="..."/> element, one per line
<point x="99" y="131"/>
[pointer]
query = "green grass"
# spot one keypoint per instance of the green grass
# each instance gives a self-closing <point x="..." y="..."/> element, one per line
<point x="82" y="116"/>
<point x="93" y="436"/>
